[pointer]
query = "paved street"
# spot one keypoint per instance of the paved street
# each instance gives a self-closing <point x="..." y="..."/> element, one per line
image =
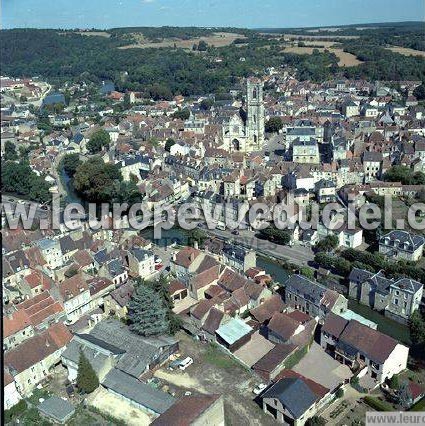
<point x="296" y="254"/>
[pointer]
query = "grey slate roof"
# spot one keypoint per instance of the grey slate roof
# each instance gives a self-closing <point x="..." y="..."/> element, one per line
<point x="139" y="351"/>
<point x="141" y="254"/>
<point x="381" y="284"/>
<point x="234" y="251"/>
<point x="294" y="394"/>
<point x="72" y="353"/>
<point x="402" y="240"/>
<point x="306" y="288"/>
<point x="141" y="393"/>
<point x="57" y="408"/>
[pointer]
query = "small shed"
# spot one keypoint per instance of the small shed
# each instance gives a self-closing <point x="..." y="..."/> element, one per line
<point x="56" y="409"/>
<point x="234" y="334"/>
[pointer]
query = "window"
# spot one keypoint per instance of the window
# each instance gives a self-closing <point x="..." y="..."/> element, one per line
<point x="395" y="301"/>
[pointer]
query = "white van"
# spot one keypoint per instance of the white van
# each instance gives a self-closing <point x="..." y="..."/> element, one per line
<point x="185" y="363"/>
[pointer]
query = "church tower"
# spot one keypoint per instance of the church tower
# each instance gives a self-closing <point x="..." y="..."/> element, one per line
<point x="255" y="114"/>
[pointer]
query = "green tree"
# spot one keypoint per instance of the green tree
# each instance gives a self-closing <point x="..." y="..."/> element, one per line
<point x="202" y="46"/>
<point x="329" y="243"/>
<point x="273" y="125"/>
<point x="182" y="114"/>
<point x="417" y="329"/>
<point x="67" y="96"/>
<point x="87" y="380"/>
<point x="161" y="287"/>
<point x="147" y="313"/>
<point x="10" y="151"/>
<point x="394" y="382"/>
<point x="275" y="235"/>
<point x="20" y="179"/>
<point x="206" y="104"/>
<point x="70" y="163"/>
<point x="196" y="236"/>
<point x="94" y="180"/>
<point x="169" y="143"/>
<point x="316" y="421"/>
<point x="307" y="272"/>
<point x="419" y="92"/>
<point x="404" y="175"/>
<point x="98" y="140"/>
<point x="126" y="101"/>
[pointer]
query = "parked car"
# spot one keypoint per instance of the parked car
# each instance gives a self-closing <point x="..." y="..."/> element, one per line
<point x="259" y="389"/>
<point x="235" y="232"/>
<point x="175" y="364"/>
<point x="185" y="363"/>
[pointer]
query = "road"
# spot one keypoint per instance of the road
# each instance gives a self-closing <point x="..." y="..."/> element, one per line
<point x="297" y="254"/>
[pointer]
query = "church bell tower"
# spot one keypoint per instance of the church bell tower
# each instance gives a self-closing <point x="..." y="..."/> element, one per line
<point x="255" y="114"/>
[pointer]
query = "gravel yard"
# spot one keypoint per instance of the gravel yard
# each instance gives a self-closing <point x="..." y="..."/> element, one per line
<point x="215" y="372"/>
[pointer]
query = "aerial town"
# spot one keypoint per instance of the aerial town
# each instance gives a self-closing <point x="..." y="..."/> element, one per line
<point x="214" y="325"/>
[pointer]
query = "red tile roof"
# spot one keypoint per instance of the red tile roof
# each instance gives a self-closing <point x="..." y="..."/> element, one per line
<point x="268" y="308"/>
<point x="73" y="286"/>
<point x="18" y="321"/>
<point x="283" y="325"/>
<point x="186" y="411"/>
<point x="186" y="256"/>
<point x="374" y="344"/>
<point x="37" y="348"/>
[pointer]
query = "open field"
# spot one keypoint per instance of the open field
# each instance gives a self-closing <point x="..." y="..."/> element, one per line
<point x="345" y="59"/>
<point x="406" y="51"/>
<point x="312" y="37"/>
<point x="219" y="39"/>
<point x="96" y="33"/>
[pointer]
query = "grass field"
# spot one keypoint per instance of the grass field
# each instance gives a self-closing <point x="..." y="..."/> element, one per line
<point x="219" y="39"/>
<point x="406" y="51"/>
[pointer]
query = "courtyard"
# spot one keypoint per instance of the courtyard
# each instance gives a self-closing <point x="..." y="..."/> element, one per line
<point x="317" y="365"/>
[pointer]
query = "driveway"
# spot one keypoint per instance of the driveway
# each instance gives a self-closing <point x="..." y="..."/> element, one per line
<point x="317" y="365"/>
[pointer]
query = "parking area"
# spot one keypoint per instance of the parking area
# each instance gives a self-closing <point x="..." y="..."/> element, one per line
<point x="254" y="350"/>
<point x="215" y="372"/>
<point x="322" y="368"/>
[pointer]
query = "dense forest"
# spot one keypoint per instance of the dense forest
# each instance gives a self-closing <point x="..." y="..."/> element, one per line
<point x="160" y="73"/>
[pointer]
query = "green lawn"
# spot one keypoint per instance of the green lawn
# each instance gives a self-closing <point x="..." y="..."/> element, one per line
<point x="218" y="358"/>
<point x="420" y="406"/>
<point x="386" y="325"/>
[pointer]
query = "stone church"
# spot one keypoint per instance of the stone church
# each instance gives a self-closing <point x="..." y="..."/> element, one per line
<point x="244" y="131"/>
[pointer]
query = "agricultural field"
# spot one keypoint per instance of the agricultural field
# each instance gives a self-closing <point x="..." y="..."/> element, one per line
<point x="406" y="51"/>
<point x="345" y="59"/>
<point x="218" y="39"/>
<point x="324" y="37"/>
<point x="95" y="33"/>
